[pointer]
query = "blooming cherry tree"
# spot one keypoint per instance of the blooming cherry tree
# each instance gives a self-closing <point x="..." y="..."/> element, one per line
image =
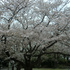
<point x="28" y="28"/>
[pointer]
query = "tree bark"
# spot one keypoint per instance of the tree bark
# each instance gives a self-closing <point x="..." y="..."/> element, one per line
<point x="18" y="67"/>
<point x="28" y="65"/>
<point x="67" y="58"/>
<point x="28" y="68"/>
<point x="13" y="67"/>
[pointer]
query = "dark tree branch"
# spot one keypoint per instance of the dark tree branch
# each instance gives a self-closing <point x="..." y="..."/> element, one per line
<point x="35" y="49"/>
<point x="4" y="39"/>
<point x="41" y="21"/>
<point x="15" y="12"/>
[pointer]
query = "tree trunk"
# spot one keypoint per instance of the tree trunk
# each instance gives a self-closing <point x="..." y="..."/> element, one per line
<point x="28" y="65"/>
<point x="9" y="66"/>
<point x="67" y="58"/>
<point x="13" y="67"/>
<point x="28" y="68"/>
<point x="18" y="67"/>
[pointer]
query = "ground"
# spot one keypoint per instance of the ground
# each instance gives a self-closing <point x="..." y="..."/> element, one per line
<point x="48" y="69"/>
<point x="41" y="69"/>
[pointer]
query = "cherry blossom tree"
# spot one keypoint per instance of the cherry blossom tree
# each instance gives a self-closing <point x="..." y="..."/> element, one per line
<point x="28" y="28"/>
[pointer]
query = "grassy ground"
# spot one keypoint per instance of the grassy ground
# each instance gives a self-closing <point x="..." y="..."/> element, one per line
<point x="49" y="69"/>
<point x="38" y="69"/>
<point x="46" y="69"/>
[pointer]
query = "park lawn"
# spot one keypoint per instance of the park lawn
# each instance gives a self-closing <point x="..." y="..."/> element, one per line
<point x="38" y="69"/>
<point x="48" y="69"/>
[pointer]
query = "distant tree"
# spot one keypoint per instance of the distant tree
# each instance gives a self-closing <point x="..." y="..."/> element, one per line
<point x="28" y="28"/>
